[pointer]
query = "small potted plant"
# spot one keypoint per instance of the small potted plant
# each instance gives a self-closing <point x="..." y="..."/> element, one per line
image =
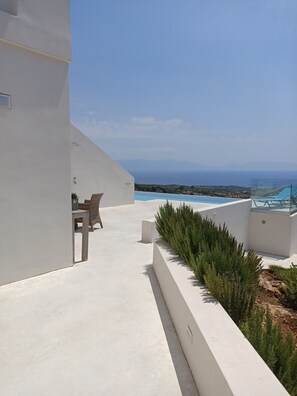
<point x="74" y="198"/>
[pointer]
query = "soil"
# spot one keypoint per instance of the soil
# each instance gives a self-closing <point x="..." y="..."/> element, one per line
<point x="271" y="293"/>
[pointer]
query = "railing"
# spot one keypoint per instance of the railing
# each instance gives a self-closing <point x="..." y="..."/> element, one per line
<point x="274" y="195"/>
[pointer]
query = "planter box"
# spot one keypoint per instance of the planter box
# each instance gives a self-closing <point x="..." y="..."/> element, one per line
<point x="221" y="359"/>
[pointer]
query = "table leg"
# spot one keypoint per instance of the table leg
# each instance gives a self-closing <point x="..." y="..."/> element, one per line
<point x="73" y="240"/>
<point x="85" y="237"/>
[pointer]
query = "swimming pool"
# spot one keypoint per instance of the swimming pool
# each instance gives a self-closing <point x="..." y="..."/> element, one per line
<point x="149" y="196"/>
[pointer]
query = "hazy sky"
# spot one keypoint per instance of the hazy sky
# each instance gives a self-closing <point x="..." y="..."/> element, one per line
<point x="209" y="81"/>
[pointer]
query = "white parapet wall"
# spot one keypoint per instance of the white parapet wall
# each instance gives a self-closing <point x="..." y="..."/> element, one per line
<point x="93" y="171"/>
<point x="265" y="232"/>
<point x="222" y="361"/>
<point x="273" y="233"/>
<point x="235" y="215"/>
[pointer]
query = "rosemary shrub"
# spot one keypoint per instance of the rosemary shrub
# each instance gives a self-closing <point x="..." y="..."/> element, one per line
<point x="215" y="257"/>
<point x="275" y="347"/>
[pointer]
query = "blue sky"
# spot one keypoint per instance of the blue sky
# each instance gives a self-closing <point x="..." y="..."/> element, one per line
<point x="208" y="81"/>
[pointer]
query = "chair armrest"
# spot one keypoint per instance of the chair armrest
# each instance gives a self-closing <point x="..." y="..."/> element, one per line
<point x="84" y="206"/>
<point x="87" y="201"/>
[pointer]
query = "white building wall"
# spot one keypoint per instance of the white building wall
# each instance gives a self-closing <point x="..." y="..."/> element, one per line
<point x="93" y="171"/>
<point x="35" y="143"/>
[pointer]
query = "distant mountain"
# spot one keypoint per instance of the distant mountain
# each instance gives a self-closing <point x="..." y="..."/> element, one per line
<point x="173" y="165"/>
<point x="159" y="165"/>
<point x="265" y="165"/>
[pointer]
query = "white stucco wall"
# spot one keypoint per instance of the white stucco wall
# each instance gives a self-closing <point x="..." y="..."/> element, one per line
<point x="95" y="172"/>
<point x="35" y="149"/>
<point x="266" y="232"/>
<point x="43" y="26"/>
<point x="222" y="361"/>
<point x="235" y="215"/>
<point x="271" y="233"/>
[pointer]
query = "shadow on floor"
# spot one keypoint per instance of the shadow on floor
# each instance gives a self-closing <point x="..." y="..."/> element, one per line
<point x="183" y="372"/>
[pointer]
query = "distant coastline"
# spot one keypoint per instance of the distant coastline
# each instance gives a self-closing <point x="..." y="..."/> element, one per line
<point x="227" y="184"/>
<point x="239" y="178"/>
<point x="212" y="191"/>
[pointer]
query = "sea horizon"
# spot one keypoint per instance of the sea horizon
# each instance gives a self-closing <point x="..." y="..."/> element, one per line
<point x="243" y="178"/>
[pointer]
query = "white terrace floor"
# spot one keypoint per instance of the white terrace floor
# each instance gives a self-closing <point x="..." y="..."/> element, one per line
<point x="98" y="328"/>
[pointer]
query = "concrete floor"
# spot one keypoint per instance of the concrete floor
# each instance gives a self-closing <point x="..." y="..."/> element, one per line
<point x="100" y="327"/>
<point x="285" y="262"/>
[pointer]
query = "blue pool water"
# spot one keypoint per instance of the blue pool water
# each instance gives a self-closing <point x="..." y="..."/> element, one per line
<point x="149" y="196"/>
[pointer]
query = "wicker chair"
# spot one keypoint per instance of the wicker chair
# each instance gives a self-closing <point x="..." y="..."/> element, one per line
<point x="92" y="205"/>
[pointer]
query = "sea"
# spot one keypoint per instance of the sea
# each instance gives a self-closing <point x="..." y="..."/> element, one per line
<point x="216" y="177"/>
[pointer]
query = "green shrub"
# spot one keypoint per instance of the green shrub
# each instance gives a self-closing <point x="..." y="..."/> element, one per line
<point x="235" y="287"/>
<point x="214" y="255"/>
<point x="289" y="278"/>
<point x="165" y="220"/>
<point x="180" y="228"/>
<point x="276" y="349"/>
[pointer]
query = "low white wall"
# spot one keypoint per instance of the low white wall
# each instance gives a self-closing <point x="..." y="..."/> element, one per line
<point x="95" y="172"/>
<point x="222" y="361"/>
<point x="272" y="233"/>
<point x="149" y="231"/>
<point x="235" y="215"/>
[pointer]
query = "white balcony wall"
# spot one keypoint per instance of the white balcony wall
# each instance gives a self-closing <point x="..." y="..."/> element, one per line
<point x="93" y="171"/>
<point x="235" y="215"/>
<point x="35" y="143"/>
<point x="273" y="233"/>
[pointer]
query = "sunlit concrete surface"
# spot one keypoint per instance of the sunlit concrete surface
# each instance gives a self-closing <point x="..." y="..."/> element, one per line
<point x="98" y="328"/>
<point x="285" y="262"/>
